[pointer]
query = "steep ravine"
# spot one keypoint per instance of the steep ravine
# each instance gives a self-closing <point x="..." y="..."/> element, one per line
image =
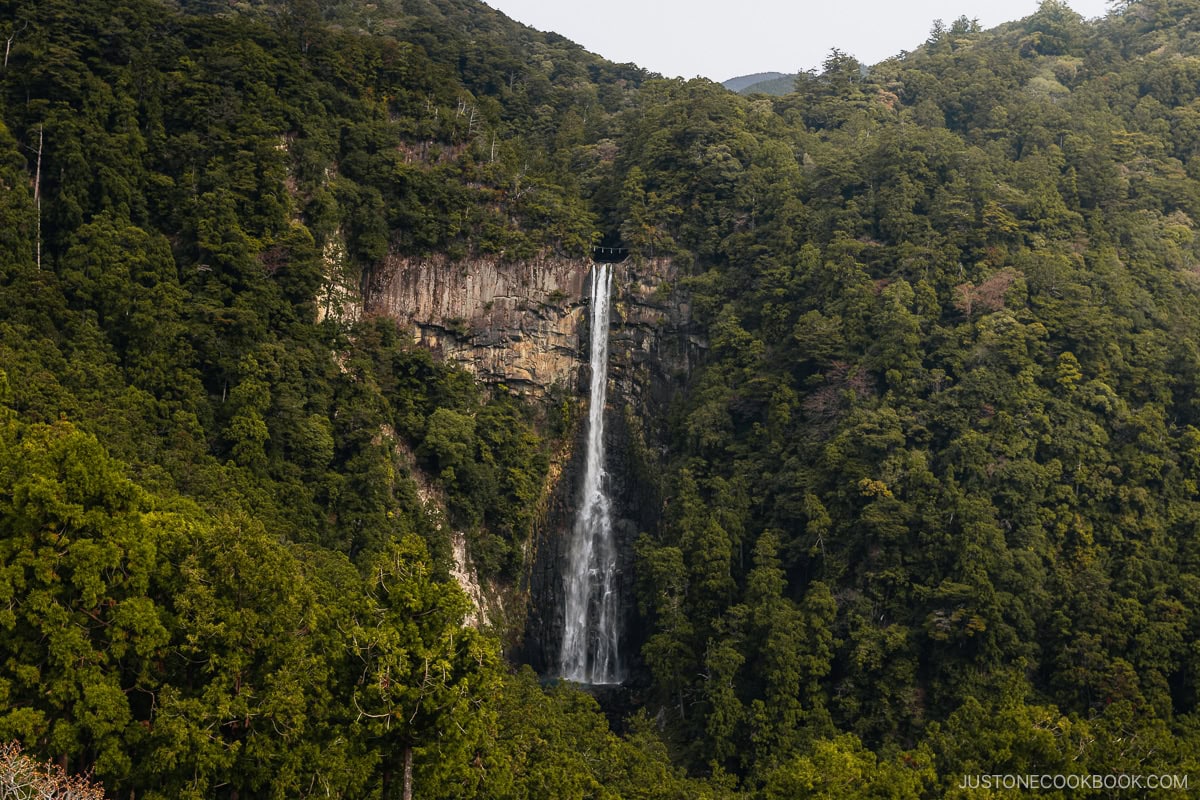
<point x="524" y="324"/>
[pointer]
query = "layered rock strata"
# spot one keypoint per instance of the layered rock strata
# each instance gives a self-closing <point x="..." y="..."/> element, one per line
<point x="507" y="322"/>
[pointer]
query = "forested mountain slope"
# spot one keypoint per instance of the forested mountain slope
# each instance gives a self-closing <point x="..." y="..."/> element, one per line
<point x="941" y="463"/>
<point x="744" y="82"/>
<point x="218" y="576"/>
<point x="929" y="507"/>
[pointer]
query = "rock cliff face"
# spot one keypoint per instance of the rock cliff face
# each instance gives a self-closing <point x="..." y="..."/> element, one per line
<point x="522" y="323"/>
<point x="525" y="325"/>
<point x="514" y="323"/>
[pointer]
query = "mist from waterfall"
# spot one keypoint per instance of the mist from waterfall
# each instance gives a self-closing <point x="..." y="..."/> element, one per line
<point x="590" y="646"/>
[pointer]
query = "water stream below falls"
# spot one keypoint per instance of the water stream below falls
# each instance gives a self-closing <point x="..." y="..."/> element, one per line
<point x="591" y="622"/>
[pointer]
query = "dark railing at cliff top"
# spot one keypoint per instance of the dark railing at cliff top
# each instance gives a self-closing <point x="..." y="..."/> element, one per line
<point x="610" y="255"/>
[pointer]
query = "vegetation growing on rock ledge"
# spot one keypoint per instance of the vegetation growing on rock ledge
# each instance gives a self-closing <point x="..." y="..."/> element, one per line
<point x="929" y="504"/>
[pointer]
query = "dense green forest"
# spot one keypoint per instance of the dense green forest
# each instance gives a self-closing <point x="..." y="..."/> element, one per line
<point x="930" y="504"/>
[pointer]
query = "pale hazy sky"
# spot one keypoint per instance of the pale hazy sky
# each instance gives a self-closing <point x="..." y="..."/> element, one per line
<point x="720" y="40"/>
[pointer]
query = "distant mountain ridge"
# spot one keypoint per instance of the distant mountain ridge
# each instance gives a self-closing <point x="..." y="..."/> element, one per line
<point x="742" y="82"/>
<point x="773" y="83"/>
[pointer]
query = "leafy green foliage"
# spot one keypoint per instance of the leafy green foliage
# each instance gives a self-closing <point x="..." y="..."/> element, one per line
<point x="176" y="653"/>
<point x="929" y="500"/>
<point x="938" y="446"/>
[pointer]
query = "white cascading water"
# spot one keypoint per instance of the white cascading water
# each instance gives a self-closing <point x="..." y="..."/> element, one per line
<point x="590" y="651"/>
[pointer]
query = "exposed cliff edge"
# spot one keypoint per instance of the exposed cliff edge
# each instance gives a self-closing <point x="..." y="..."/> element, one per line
<point x="508" y="322"/>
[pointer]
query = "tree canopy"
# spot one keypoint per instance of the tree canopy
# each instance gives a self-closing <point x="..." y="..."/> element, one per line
<point x="928" y="499"/>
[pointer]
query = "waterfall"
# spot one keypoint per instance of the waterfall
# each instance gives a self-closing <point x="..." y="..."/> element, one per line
<point x="590" y="652"/>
